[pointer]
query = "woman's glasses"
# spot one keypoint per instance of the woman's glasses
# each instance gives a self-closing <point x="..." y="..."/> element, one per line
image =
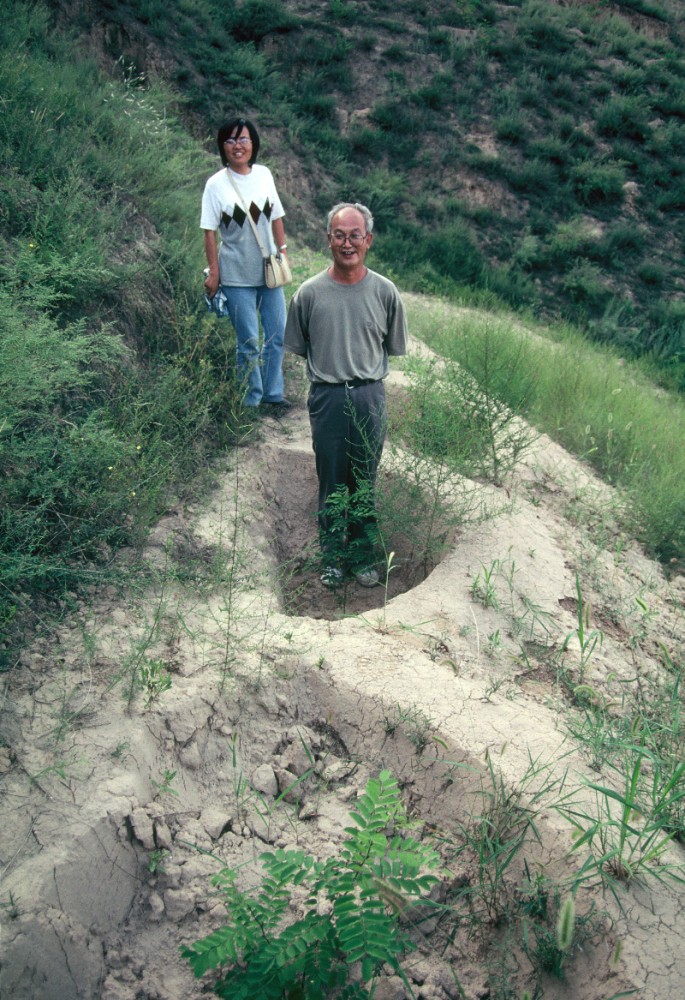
<point x="242" y="141"/>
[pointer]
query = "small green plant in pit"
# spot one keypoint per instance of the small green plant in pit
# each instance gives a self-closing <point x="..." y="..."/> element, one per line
<point x="164" y="787"/>
<point x="483" y="588"/>
<point x="154" y="680"/>
<point x="588" y="638"/>
<point x="351" y="530"/>
<point x="155" y="863"/>
<point x="367" y="885"/>
<point x="10" y="906"/>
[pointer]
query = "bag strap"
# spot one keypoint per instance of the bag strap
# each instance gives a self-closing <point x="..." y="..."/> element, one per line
<point x="265" y="255"/>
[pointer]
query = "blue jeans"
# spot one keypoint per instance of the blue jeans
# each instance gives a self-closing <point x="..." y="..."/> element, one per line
<point x="260" y="371"/>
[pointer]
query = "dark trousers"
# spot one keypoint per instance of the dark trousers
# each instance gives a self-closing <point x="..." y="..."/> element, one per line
<point x="348" y="430"/>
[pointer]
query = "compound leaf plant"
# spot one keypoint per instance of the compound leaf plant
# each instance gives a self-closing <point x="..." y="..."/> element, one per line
<point x="350" y="925"/>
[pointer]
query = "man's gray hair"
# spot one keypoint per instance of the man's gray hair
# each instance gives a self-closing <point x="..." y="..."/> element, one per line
<point x="368" y="218"/>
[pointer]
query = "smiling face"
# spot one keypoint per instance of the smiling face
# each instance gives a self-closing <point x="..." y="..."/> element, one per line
<point x="349" y="243"/>
<point x="238" y="150"/>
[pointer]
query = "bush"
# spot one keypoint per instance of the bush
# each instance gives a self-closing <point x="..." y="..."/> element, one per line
<point x="253" y="20"/>
<point x="598" y="183"/>
<point x="511" y="128"/>
<point x="585" y="284"/>
<point x="532" y="176"/>
<point x="624" y="116"/>
<point x="453" y="250"/>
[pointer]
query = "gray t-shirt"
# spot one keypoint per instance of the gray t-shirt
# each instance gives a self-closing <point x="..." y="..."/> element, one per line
<point x="346" y="331"/>
<point x="240" y="259"/>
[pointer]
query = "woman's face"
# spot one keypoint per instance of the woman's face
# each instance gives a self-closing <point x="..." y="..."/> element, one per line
<point x="238" y="151"/>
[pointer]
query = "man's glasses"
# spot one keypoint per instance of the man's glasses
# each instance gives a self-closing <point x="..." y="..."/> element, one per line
<point x="338" y="239"/>
<point x="243" y="141"/>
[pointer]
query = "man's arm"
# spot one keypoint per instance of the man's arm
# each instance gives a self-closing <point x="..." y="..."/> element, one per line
<point x="396" y="334"/>
<point x="296" y="331"/>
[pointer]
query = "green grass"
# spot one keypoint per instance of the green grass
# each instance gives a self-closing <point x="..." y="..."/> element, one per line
<point x="113" y="385"/>
<point x="587" y="398"/>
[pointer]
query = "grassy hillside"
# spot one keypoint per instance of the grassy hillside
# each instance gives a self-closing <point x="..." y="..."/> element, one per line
<point x="533" y="152"/>
<point x="111" y="390"/>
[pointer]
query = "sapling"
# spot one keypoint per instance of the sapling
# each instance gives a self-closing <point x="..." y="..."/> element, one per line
<point x="368" y="883"/>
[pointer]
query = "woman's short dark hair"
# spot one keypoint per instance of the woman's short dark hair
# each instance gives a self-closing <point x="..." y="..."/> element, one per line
<point x="234" y="127"/>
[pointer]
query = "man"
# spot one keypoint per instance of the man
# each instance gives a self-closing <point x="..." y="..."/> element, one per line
<point x="346" y="321"/>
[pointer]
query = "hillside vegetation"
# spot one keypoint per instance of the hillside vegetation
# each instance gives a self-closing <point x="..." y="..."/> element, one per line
<point x="116" y="387"/>
<point x="533" y="151"/>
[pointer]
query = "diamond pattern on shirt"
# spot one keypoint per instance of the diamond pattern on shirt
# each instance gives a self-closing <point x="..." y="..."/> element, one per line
<point x="239" y="216"/>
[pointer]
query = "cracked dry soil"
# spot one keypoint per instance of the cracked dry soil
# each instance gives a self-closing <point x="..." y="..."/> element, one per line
<point x="115" y="813"/>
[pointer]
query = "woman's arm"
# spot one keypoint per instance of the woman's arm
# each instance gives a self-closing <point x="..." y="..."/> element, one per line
<point x="278" y="229"/>
<point x="212" y="255"/>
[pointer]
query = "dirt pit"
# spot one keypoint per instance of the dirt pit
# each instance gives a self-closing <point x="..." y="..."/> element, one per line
<point x="291" y="494"/>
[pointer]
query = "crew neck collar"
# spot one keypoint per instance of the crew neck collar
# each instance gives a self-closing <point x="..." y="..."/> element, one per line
<point x="348" y="284"/>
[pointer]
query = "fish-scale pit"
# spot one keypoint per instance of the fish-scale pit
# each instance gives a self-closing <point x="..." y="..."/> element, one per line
<point x="292" y="492"/>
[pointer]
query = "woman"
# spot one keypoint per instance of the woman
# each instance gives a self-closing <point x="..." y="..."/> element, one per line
<point x="238" y="265"/>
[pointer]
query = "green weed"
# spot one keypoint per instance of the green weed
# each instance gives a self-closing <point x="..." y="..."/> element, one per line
<point x="588" y="638"/>
<point x="155" y="864"/>
<point x="628" y="833"/>
<point x="165" y="786"/>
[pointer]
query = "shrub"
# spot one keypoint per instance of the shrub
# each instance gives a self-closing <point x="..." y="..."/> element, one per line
<point x="624" y="116"/>
<point x="253" y="20"/>
<point x="511" y="128"/>
<point x="652" y="274"/>
<point x="585" y="284"/>
<point x="532" y="176"/>
<point x="453" y="250"/>
<point x="598" y="183"/>
<point x="436" y="94"/>
<point x="542" y="28"/>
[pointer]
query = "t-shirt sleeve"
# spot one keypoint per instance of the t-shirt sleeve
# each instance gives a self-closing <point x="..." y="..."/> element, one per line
<point x="396" y="337"/>
<point x="277" y="210"/>
<point x="296" y="334"/>
<point x="211" y="209"/>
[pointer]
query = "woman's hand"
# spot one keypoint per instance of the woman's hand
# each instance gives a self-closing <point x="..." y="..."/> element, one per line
<point x="212" y="281"/>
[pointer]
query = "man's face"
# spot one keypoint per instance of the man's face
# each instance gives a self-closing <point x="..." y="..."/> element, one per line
<point x="348" y="239"/>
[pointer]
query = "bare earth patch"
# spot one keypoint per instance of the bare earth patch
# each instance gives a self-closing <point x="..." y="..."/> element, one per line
<point x="122" y="795"/>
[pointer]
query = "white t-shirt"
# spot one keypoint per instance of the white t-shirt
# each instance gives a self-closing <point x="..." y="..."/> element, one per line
<point x="240" y="259"/>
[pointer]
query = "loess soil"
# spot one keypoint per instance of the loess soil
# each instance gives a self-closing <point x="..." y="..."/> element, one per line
<point x="119" y="800"/>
